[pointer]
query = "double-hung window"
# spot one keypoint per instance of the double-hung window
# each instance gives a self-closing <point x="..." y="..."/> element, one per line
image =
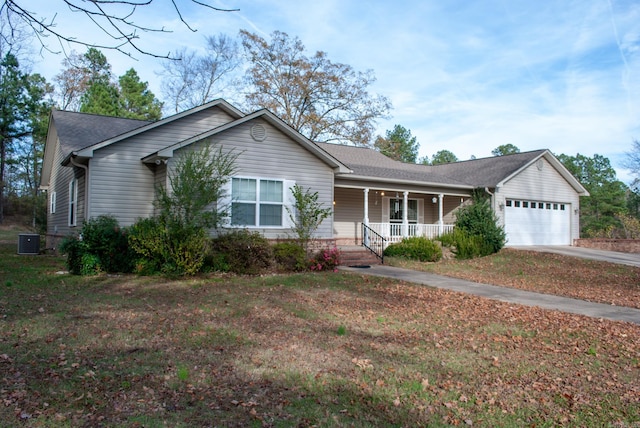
<point x="52" y="202"/>
<point x="73" y="202"/>
<point x="257" y="202"/>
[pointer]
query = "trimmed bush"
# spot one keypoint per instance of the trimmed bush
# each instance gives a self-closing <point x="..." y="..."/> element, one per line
<point x="105" y="240"/>
<point x="74" y="249"/>
<point x="465" y="246"/>
<point x="172" y="248"/>
<point x="290" y="257"/>
<point x="146" y="239"/>
<point x="103" y="247"/>
<point x="240" y="252"/>
<point x="415" y="248"/>
<point x="327" y="259"/>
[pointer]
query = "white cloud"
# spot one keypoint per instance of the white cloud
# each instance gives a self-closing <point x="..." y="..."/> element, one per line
<point x="463" y="76"/>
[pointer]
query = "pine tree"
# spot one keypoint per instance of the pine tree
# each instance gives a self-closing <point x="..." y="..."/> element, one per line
<point x="13" y="116"/>
<point x="136" y="100"/>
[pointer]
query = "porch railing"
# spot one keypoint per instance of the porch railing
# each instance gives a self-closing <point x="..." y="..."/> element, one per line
<point x="392" y="232"/>
<point x="373" y="241"/>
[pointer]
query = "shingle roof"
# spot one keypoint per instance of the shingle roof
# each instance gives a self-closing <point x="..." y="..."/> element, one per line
<point x="486" y="172"/>
<point x="79" y="130"/>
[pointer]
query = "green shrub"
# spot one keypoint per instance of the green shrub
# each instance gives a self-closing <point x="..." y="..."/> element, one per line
<point x="415" y="248"/>
<point x="465" y="246"/>
<point x="168" y="247"/>
<point x="101" y="247"/>
<point x="241" y="252"/>
<point x="290" y="257"/>
<point x="327" y="259"/>
<point x="186" y="246"/>
<point x="90" y="264"/>
<point x="105" y="240"/>
<point x="146" y="239"/>
<point x="478" y="220"/>
<point x="74" y="249"/>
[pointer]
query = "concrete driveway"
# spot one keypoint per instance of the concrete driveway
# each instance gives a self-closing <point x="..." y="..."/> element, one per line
<point x="630" y="259"/>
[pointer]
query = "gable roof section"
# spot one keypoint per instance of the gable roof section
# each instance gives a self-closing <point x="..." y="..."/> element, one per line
<point x="488" y="172"/>
<point x="497" y="170"/>
<point x="75" y="131"/>
<point x="220" y="103"/>
<point x="79" y="130"/>
<point x="271" y="119"/>
<point x="367" y="163"/>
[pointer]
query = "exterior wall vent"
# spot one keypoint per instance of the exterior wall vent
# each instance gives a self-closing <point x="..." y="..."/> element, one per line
<point x="28" y="243"/>
<point x="258" y="132"/>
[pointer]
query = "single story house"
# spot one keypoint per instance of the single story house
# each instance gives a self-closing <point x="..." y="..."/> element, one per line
<point x="96" y="165"/>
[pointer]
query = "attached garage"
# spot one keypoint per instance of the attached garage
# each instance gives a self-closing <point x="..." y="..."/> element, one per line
<point x="537" y="223"/>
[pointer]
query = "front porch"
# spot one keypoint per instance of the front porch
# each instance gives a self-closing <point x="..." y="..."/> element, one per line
<point x="392" y="214"/>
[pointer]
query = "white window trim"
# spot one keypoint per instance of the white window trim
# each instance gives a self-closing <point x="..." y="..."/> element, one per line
<point x="73" y="202"/>
<point x="52" y="202"/>
<point x="286" y="202"/>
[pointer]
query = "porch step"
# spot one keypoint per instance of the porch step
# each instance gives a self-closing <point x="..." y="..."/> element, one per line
<point x="358" y="256"/>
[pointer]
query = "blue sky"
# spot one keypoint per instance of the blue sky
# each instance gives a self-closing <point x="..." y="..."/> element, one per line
<point x="466" y="76"/>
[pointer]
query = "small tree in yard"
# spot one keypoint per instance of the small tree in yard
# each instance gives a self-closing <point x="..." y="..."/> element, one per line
<point x="175" y="240"/>
<point x="477" y="231"/>
<point x="196" y="184"/>
<point x="306" y="215"/>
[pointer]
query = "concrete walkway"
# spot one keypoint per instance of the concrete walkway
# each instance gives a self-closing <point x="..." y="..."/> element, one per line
<point x="547" y="301"/>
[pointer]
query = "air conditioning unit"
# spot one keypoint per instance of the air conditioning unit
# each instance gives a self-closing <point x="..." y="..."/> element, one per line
<point x="28" y="243"/>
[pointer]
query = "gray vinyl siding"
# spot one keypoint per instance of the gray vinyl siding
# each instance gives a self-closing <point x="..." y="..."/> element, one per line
<point x="121" y="185"/>
<point x="279" y="158"/>
<point x="349" y="213"/>
<point x="543" y="185"/>
<point x="58" y="222"/>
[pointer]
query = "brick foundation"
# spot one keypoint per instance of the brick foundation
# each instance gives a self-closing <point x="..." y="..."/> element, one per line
<point x="620" y="245"/>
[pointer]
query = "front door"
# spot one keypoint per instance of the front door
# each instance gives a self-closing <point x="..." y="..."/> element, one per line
<point x="396" y="215"/>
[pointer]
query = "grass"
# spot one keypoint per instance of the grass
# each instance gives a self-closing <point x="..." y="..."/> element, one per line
<point x="589" y="280"/>
<point x="317" y="349"/>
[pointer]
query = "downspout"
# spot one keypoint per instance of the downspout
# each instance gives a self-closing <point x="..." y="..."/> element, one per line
<point x="86" y="185"/>
<point x="493" y="201"/>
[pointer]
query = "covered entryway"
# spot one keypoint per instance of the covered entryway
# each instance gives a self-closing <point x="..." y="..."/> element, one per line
<point x="537" y="223"/>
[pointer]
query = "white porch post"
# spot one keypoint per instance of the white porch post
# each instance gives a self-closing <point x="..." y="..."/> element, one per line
<point x="365" y="220"/>
<point x="440" y="214"/>
<point x="405" y="214"/>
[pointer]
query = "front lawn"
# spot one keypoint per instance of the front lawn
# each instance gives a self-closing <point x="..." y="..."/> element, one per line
<point x="548" y="273"/>
<point x="316" y="349"/>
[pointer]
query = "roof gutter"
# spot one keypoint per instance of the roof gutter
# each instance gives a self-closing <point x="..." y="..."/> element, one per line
<point x="86" y="184"/>
<point x="401" y="181"/>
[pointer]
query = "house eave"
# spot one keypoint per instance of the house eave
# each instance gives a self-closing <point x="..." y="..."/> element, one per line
<point x="407" y="182"/>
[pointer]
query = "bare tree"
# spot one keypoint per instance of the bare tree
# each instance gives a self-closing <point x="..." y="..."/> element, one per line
<point x="632" y="162"/>
<point x="72" y="82"/>
<point x="197" y="79"/>
<point x="114" y="19"/>
<point x="325" y="101"/>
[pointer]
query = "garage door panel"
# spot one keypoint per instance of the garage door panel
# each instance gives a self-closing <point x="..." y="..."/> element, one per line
<point x="538" y="226"/>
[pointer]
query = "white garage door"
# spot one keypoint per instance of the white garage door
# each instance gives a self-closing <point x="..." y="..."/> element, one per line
<point x="537" y="223"/>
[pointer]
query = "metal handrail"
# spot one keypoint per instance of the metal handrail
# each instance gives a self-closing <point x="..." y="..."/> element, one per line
<point x="373" y="241"/>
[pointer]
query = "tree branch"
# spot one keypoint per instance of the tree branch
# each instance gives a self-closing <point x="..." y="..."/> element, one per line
<point x="117" y="26"/>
